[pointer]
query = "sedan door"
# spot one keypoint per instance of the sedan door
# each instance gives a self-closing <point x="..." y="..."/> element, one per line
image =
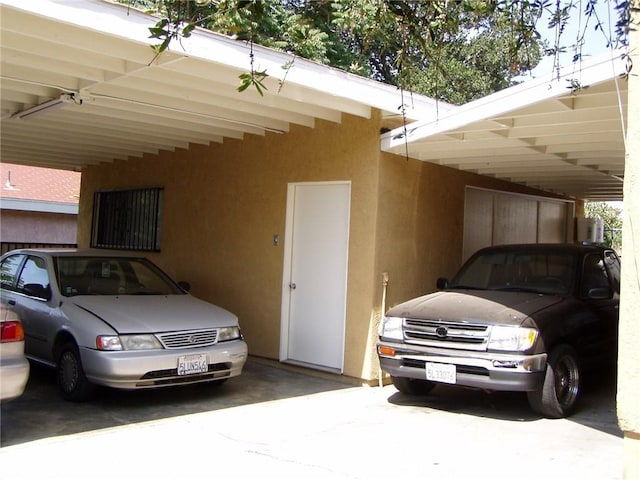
<point x="38" y="313"/>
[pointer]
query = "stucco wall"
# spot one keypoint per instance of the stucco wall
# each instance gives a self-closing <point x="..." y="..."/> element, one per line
<point x="629" y="332"/>
<point x="223" y="204"/>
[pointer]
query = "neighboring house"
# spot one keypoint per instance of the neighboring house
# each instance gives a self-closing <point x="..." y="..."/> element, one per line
<point x="309" y="210"/>
<point x="38" y="206"/>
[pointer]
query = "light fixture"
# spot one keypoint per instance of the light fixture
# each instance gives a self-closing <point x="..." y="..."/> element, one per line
<point x="43" y="107"/>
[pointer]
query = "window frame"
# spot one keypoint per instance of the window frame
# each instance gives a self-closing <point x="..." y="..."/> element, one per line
<point x="127" y="219"/>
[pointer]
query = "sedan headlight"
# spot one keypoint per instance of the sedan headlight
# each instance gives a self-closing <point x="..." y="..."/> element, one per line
<point x="229" y="333"/>
<point x="391" y="328"/>
<point x="514" y="339"/>
<point x="127" y="342"/>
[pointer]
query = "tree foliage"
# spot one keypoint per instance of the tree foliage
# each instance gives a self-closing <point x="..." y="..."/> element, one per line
<point x="456" y="51"/>
<point x="612" y="219"/>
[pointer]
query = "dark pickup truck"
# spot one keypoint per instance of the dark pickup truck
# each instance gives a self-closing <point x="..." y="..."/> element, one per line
<point x="527" y="318"/>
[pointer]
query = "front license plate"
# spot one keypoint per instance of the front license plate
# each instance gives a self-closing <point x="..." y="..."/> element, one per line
<point x="441" y="372"/>
<point x="190" y="364"/>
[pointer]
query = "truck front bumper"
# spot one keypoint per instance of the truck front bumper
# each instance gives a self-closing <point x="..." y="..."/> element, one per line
<point x="485" y="370"/>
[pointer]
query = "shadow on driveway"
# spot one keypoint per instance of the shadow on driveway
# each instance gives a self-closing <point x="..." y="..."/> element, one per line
<point x="41" y="413"/>
<point x="596" y="408"/>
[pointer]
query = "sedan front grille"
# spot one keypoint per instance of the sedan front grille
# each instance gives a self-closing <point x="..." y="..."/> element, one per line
<point x="446" y="334"/>
<point x="189" y="339"/>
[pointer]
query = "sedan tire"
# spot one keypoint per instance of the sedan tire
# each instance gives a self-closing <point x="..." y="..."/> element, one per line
<point x="562" y="385"/>
<point x="72" y="380"/>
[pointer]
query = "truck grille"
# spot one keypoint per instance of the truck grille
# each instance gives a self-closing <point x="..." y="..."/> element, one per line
<point x="191" y="339"/>
<point x="446" y="334"/>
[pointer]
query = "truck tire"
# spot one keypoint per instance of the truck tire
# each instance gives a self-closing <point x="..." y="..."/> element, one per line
<point x="412" y="386"/>
<point x="562" y="385"/>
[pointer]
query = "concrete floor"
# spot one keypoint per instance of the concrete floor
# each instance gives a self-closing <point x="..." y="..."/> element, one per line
<point x="277" y="423"/>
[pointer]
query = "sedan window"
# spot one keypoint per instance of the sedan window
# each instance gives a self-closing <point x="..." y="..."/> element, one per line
<point x="9" y="270"/>
<point x="112" y="276"/>
<point x="34" y="278"/>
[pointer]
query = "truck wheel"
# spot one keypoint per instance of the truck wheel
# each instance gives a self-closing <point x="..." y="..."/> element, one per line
<point x="412" y="386"/>
<point x="562" y="385"/>
<point x="72" y="381"/>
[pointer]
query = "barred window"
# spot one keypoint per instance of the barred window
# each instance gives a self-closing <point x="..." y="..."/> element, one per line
<point x="127" y="219"/>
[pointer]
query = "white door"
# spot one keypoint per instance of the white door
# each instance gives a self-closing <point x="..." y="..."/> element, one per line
<point x="315" y="274"/>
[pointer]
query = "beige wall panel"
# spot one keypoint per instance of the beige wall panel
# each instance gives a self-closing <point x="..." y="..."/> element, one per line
<point x="552" y="222"/>
<point x="515" y="220"/>
<point x="478" y="220"/>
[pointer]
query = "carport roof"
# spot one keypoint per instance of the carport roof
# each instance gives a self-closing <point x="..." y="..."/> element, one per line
<point x="116" y="101"/>
<point x="543" y="133"/>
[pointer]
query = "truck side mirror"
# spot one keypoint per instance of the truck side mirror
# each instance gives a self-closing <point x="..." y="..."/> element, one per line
<point x="602" y="293"/>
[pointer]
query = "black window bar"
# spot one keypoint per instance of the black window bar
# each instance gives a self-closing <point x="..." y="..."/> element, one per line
<point x="127" y="219"/>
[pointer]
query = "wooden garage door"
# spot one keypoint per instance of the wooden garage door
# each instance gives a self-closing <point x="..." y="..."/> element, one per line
<point x="494" y="218"/>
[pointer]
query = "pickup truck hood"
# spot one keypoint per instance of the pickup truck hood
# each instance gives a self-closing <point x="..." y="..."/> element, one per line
<point x="151" y="313"/>
<point x="476" y="306"/>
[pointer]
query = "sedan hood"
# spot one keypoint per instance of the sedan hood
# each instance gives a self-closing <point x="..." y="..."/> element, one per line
<point x="476" y="306"/>
<point x="153" y="313"/>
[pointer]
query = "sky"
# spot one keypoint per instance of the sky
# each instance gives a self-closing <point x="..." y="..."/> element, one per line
<point x="595" y="42"/>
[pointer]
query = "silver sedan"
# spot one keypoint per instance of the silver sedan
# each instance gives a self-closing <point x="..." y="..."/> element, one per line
<point x="14" y="367"/>
<point x="118" y="321"/>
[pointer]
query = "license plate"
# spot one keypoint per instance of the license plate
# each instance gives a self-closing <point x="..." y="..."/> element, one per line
<point x="441" y="372"/>
<point x="190" y="364"/>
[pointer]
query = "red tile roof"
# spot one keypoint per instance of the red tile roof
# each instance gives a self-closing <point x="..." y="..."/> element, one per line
<point x="35" y="183"/>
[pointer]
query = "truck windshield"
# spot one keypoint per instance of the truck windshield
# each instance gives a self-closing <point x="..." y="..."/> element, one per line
<point x="550" y="273"/>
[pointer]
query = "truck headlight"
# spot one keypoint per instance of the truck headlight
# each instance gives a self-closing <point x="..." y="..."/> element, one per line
<point x="391" y="328"/>
<point x="514" y="339"/>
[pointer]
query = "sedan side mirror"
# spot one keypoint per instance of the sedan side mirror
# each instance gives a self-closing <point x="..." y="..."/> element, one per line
<point x="442" y="283"/>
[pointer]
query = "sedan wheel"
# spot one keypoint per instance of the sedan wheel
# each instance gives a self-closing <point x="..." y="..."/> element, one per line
<point x="562" y="385"/>
<point x="72" y="381"/>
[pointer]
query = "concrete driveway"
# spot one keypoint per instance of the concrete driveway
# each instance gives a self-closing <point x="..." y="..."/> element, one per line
<point x="275" y="423"/>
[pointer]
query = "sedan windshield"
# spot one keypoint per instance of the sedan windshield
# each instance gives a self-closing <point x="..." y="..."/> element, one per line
<point x="112" y="276"/>
<point x="518" y="271"/>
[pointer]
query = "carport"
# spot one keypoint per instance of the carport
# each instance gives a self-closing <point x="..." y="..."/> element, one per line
<point x="81" y="89"/>
<point x="81" y="85"/>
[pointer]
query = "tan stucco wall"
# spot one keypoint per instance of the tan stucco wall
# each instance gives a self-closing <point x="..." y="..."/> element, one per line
<point x="224" y="203"/>
<point x="629" y="334"/>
